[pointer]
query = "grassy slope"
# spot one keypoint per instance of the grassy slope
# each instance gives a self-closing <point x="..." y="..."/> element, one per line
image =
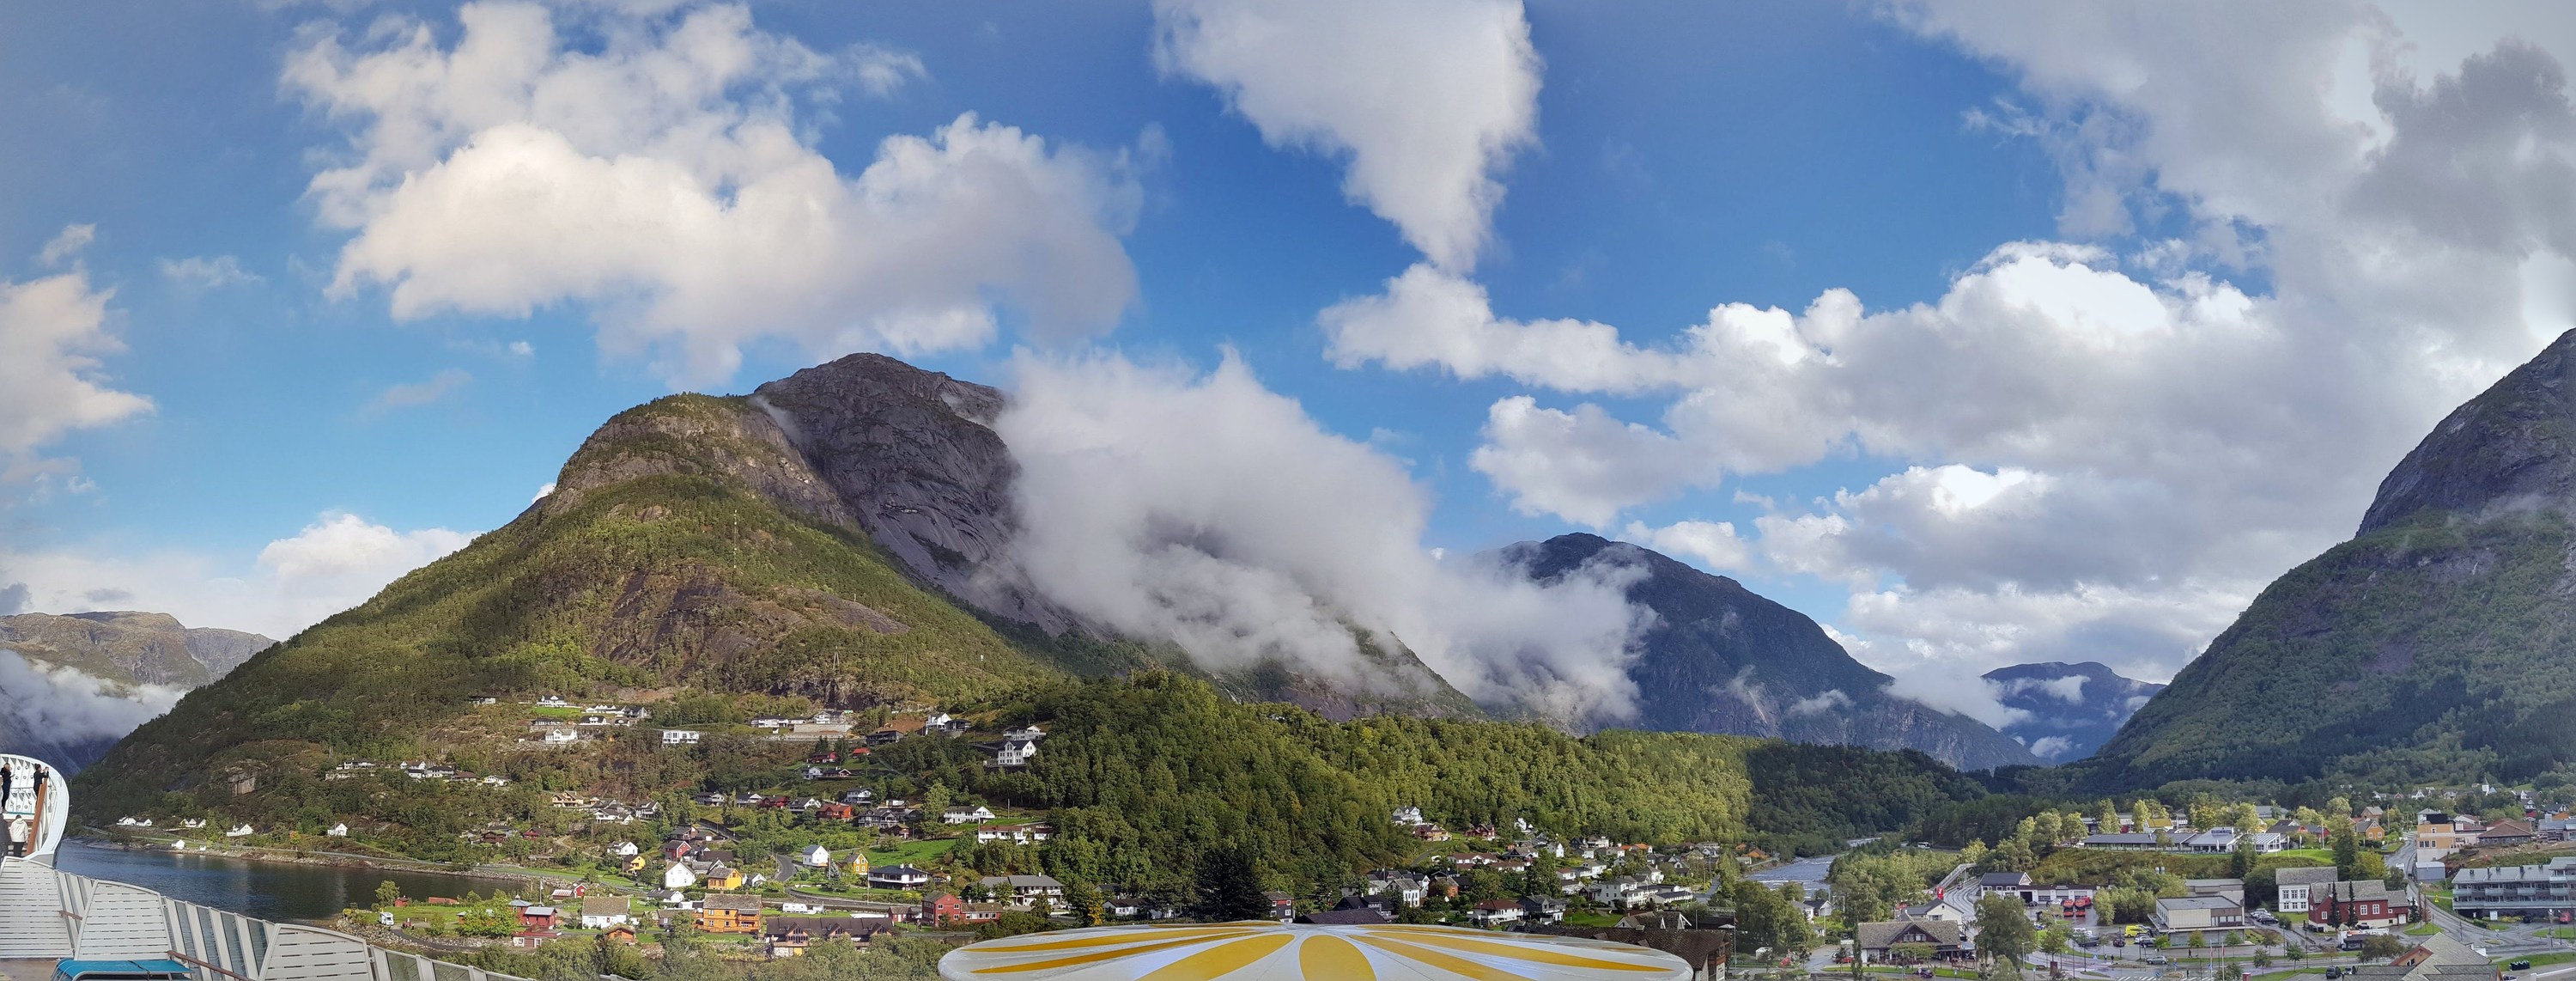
<point x="672" y="578"/>
<point x="2426" y="651"/>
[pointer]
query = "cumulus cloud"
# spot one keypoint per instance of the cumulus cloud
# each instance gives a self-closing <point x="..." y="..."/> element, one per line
<point x="663" y="182"/>
<point x="52" y="331"/>
<point x="1427" y="100"/>
<point x="202" y="272"/>
<point x="2052" y="747"/>
<point x="1714" y="543"/>
<point x="2097" y="449"/>
<point x="423" y="392"/>
<point x="334" y="563"/>
<point x="1211" y="512"/>
<point x="64" y="705"/>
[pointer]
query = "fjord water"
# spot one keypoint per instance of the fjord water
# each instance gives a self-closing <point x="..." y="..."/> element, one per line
<point x="280" y="891"/>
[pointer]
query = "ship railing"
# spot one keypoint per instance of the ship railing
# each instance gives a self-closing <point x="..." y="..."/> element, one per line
<point x="47" y="913"/>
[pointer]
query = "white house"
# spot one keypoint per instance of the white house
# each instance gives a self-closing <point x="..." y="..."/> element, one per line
<point x="338" y="831"/>
<point x="1016" y="752"/>
<point x="2294" y="884"/>
<point x="625" y="849"/>
<point x="816" y="856"/>
<point x="1408" y="815"/>
<point x="553" y="701"/>
<point x="558" y="737"/>
<point x="898" y="877"/>
<point x="966" y="815"/>
<point x="680" y="737"/>
<point x="241" y="831"/>
<point x="678" y="876"/>
<point x="193" y="824"/>
<point x="602" y="912"/>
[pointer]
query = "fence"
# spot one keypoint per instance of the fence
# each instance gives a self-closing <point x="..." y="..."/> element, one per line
<point x="46" y="913"/>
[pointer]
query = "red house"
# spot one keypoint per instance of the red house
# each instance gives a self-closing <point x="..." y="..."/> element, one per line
<point x="2367" y="904"/>
<point x="944" y="909"/>
<point x="837" y="812"/>
<point x="537" y="917"/>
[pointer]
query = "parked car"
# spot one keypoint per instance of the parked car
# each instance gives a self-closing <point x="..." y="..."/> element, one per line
<point x="2522" y="965"/>
<point x="2156" y="959"/>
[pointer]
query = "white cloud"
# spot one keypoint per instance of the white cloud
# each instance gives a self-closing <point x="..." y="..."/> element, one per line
<point x="1428" y="100"/>
<point x="2069" y="689"/>
<point x="543" y="492"/>
<point x="51" y="332"/>
<point x="2052" y="747"/>
<point x="66" y="244"/>
<point x="335" y="563"/>
<point x="662" y="181"/>
<point x="1211" y="512"/>
<point x="1714" y="543"/>
<point x="423" y="392"/>
<point x="1823" y="701"/>
<point x="64" y="705"/>
<point x="882" y="70"/>
<point x="204" y="272"/>
<point x="2092" y="456"/>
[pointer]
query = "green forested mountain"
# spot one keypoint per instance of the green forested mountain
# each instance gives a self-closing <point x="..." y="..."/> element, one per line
<point x="2433" y="645"/>
<point x="817" y="544"/>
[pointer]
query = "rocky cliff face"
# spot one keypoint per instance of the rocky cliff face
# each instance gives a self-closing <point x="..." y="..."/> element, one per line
<point x="1722" y="659"/>
<point x="2511" y="448"/>
<point x="2072" y="708"/>
<point x="2430" y="647"/>
<point x="912" y="455"/>
<point x="127" y="647"/>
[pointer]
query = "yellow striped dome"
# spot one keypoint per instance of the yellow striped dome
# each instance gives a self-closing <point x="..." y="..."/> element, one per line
<point x="1265" y="951"/>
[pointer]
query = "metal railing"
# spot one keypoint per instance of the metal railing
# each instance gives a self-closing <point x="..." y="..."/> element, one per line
<point x="46" y="913"/>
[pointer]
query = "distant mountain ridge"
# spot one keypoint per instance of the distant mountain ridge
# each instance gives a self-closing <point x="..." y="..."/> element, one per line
<point x="2070" y="709"/>
<point x="2431" y="647"/>
<point x="133" y="656"/>
<point x="1723" y="659"/>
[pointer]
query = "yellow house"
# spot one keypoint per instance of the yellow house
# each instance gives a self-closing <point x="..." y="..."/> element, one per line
<point x="634" y="864"/>
<point x="724" y="877"/>
<point x="858" y="864"/>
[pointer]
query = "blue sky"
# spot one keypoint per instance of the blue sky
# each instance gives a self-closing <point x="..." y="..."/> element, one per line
<point x="2028" y="469"/>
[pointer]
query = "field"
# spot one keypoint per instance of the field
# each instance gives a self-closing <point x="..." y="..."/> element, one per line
<point x="910" y="852"/>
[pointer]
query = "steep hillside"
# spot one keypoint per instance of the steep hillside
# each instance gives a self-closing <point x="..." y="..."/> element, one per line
<point x="2432" y="645"/>
<point x="2072" y="708"/>
<point x="1721" y="659"/>
<point x="812" y="540"/>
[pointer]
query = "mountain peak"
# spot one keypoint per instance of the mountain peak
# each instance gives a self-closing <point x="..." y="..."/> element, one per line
<point x="2512" y="447"/>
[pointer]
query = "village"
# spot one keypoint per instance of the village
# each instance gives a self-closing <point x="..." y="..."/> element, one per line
<point x="830" y="850"/>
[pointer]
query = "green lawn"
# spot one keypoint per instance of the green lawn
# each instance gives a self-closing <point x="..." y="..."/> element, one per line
<point x="1593" y="918"/>
<point x="2422" y="930"/>
<point x="550" y="712"/>
<point x="2318" y="854"/>
<point x="2540" y="960"/>
<point x="910" y="852"/>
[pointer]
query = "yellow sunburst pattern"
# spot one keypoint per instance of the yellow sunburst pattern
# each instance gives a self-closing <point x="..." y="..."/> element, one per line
<point x="1264" y="951"/>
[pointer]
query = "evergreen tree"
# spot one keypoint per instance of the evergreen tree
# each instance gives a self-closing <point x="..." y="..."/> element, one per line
<point x="1229" y="887"/>
<point x="2347" y="852"/>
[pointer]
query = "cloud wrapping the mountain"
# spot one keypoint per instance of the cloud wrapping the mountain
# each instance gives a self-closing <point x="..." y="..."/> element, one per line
<point x="52" y="330"/>
<point x="2099" y="452"/>
<point x="1211" y="512"/>
<point x="663" y="181"/>
<point x="337" y="562"/>
<point x="1428" y="100"/>
<point x="64" y="705"/>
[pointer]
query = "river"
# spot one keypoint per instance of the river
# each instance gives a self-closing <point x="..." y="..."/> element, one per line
<point x="280" y="891"/>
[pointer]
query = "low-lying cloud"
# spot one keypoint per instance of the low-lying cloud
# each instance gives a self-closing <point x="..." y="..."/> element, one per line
<point x="1208" y="511"/>
<point x="64" y="705"/>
